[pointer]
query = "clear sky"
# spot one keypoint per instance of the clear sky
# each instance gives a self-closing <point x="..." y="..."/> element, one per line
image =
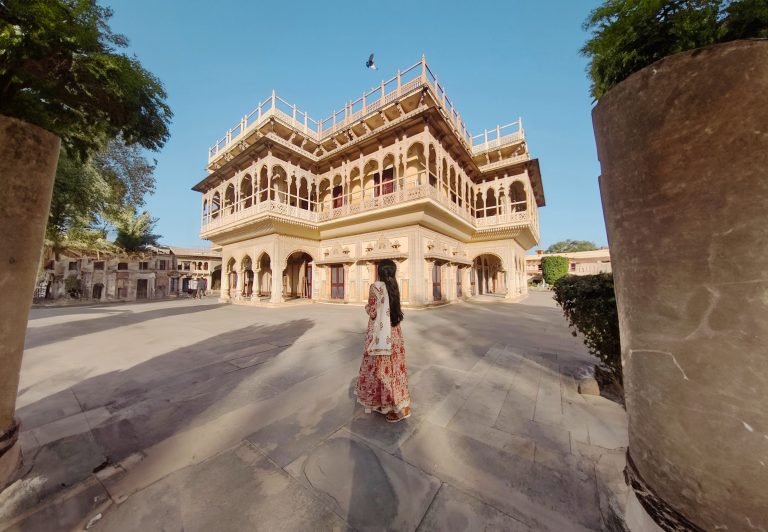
<point x="497" y="61"/>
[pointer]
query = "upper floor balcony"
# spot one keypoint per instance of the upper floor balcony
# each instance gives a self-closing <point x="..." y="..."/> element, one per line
<point x="414" y="78"/>
<point x="499" y="208"/>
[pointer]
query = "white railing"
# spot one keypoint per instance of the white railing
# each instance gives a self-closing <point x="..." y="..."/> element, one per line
<point x="491" y="139"/>
<point x="404" y="82"/>
<point x="504" y="162"/>
<point x="358" y="203"/>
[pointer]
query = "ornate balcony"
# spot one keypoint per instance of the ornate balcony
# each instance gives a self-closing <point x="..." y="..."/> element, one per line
<point x="330" y="210"/>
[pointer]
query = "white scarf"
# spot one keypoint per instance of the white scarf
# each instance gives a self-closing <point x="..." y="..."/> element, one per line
<point x="380" y="343"/>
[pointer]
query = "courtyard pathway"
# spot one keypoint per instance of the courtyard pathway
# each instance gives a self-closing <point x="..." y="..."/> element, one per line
<point x="189" y="415"/>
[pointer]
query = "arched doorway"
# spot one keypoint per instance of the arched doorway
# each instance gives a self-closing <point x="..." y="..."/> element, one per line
<point x="265" y="276"/>
<point x="297" y="276"/>
<point x="488" y="275"/>
<point x="216" y="278"/>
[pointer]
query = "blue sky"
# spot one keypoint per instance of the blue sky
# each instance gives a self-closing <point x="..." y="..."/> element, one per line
<point x="497" y="60"/>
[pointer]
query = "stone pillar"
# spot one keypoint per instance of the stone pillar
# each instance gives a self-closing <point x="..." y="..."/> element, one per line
<point x="28" y="158"/>
<point x="683" y="147"/>
<point x="277" y="278"/>
<point x="224" y="293"/>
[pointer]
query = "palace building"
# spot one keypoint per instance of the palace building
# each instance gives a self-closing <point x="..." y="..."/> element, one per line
<point x="304" y="209"/>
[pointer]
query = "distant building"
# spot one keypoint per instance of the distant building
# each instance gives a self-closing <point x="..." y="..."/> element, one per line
<point x="304" y="209"/>
<point x="579" y="263"/>
<point x="156" y="273"/>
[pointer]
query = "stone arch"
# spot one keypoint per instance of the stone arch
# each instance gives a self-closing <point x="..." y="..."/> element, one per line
<point x="304" y="193"/>
<point x="246" y="191"/>
<point x="518" y="198"/>
<point x="416" y="164"/>
<point x="490" y="202"/>
<point x="434" y="180"/>
<point x="451" y="186"/>
<point x="479" y="205"/>
<point x="229" y="199"/>
<point x="263" y="184"/>
<point x="370" y="169"/>
<point x="355" y="186"/>
<point x="264" y="278"/>
<point x="488" y="274"/>
<point x="297" y="274"/>
<point x="324" y="193"/>
<point x="279" y="184"/>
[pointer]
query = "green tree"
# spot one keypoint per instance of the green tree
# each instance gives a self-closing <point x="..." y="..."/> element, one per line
<point x="135" y="231"/>
<point x="569" y="246"/>
<point x="89" y="195"/>
<point x="60" y="69"/>
<point x="628" y="35"/>
<point x="553" y="268"/>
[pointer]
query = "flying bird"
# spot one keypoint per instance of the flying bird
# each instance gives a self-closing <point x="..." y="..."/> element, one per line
<point x="370" y="64"/>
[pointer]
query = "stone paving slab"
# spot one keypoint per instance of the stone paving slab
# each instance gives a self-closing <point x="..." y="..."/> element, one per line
<point x="236" y="490"/>
<point x="369" y="488"/>
<point x="455" y="511"/>
<point x="540" y="497"/>
<point x="227" y="396"/>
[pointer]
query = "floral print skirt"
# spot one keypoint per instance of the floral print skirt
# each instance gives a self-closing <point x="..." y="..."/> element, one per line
<point x="383" y="381"/>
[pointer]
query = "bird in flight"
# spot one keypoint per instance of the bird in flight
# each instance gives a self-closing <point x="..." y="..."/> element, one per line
<point x="370" y="64"/>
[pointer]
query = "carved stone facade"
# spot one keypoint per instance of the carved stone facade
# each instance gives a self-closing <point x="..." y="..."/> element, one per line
<point x="395" y="175"/>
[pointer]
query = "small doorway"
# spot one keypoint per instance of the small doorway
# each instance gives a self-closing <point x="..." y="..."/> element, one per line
<point x="141" y="289"/>
<point x="437" y="294"/>
<point x="458" y="283"/>
<point x="337" y="282"/>
<point x="97" y="290"/>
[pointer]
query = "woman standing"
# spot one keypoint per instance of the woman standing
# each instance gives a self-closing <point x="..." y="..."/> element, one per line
<point x="383" y="382"/>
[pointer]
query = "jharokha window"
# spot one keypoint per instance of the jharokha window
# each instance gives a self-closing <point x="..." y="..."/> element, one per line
<point x="337" y="282"/>
<point x="338" y="197"/>
<point x="385" y="183"/>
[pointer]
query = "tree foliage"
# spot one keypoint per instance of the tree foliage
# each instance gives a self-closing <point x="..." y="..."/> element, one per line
<point x="553" y="268"/>
<point x="628" y="35"/>
<point x="589" y="305"/>
<point x="135" y="231"/>
<point x="569" y="246"/>
<point x="60" y="69"/>
<point x="89" y="196"/>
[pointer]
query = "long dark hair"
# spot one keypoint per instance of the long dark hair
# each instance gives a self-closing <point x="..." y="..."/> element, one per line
<point x="387" y="270"/>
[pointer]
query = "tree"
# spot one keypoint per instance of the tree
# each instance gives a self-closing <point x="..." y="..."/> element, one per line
<point x="88" y="196"/>
<point x="553" y="268"/>
<point x="569" y="246"/>
<point x="60" y="70"/>
<point x="631" y="34"/>
<point x="135" y="231"/>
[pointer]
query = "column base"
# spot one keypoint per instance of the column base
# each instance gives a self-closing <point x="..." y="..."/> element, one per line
<point x="10" y="457"/>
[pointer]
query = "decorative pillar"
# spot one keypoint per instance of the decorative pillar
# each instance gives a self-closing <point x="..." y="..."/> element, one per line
<point x="28" y="158"/>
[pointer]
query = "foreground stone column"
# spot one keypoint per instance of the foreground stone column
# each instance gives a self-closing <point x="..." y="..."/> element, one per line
<point x="683" y="146"/>
<point x="28" y="157"/>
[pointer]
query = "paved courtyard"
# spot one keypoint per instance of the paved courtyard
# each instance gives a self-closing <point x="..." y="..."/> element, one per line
<point x="190" y="415"/>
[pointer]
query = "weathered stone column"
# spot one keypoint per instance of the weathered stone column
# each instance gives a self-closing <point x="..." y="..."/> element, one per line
<point x="683" y="146"/>
<point x="28" y="157"/>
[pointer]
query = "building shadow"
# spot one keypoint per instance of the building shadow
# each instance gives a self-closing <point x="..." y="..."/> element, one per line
<point x="131" y="410"/>
<point x="59" y="332"/>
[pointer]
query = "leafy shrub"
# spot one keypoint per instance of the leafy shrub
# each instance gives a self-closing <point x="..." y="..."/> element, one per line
<point x="553" y="268"/>
<point x="589" y="305"/>
<point x="631" y="34"/>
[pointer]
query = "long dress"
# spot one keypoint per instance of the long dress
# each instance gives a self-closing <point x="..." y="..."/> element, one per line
<point x="382" y="384"/>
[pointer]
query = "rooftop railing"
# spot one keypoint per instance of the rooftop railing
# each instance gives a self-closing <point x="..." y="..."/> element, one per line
<point x="404" y="82"/>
